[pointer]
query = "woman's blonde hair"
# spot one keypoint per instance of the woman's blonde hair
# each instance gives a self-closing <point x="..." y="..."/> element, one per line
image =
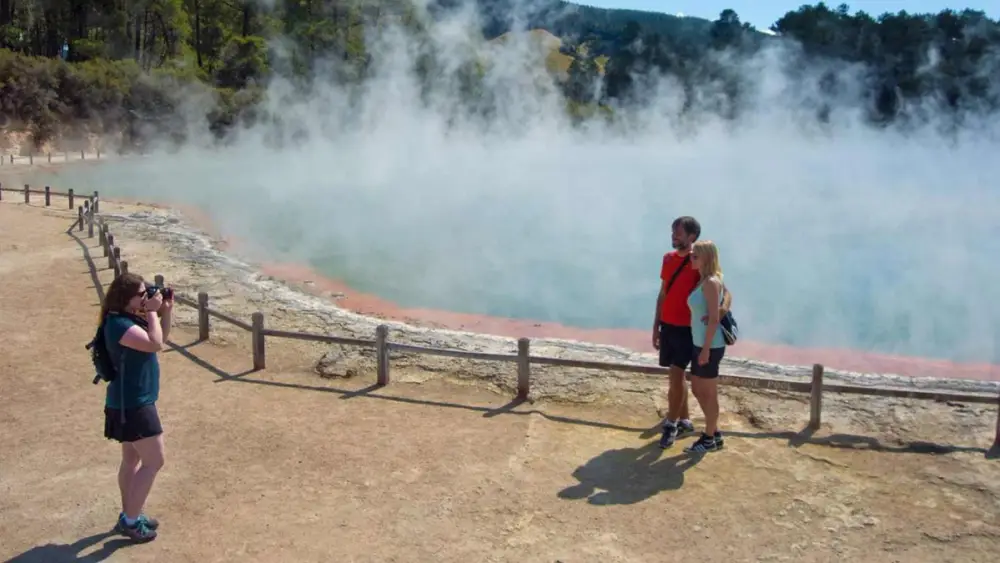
<point x="708" y="259"/>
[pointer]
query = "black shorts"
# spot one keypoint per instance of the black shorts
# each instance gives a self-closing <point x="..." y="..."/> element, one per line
<point x="711" y="369"/>
<point x="675" y="345"/>
<point x="139" y="423"/>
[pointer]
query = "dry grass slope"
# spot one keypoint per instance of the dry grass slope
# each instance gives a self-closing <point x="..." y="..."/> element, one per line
<point x="556" y="62"/>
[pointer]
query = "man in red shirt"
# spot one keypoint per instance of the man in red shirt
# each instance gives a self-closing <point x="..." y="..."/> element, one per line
<point x="672" y="325"/>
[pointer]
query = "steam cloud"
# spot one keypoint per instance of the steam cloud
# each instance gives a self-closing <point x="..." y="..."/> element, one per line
<point x="833" y="235"/>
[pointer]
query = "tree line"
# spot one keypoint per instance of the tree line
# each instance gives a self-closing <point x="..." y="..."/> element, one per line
<point x="907" y="64"/>
<point x="128" y="65"/>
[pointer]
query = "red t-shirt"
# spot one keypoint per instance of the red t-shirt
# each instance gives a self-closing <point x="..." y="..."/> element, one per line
<point x="674" y="309"/>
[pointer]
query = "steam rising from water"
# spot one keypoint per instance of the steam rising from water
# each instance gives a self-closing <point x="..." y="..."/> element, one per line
<point x="838" y="235"/>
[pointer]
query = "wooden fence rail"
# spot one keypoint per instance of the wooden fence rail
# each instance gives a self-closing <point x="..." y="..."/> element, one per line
<point x="48" y="193"/>
<point x="5" y="159"/>
<point x="88" y="216"/>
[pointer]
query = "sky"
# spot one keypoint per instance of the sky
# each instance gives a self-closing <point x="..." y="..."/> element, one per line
<point x="763" y="13"/>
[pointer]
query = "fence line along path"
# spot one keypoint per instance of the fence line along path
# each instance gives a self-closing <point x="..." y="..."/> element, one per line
<point x="30" y="158"/>
<point x="89" y="218"/>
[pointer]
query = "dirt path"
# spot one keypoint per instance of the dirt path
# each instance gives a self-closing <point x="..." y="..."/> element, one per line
<point x="282" y="465"/>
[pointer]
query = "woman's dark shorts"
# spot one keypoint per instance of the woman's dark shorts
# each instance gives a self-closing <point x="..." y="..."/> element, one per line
<point x="711" y="369"/>
<point x="139" y="423"/>
<point x="675" y="345"/>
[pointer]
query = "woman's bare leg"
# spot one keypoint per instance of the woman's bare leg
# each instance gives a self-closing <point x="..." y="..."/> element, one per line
<point x="151" y="453"/>
<point x="127" y="470"/>
<point x="708" y="398"/>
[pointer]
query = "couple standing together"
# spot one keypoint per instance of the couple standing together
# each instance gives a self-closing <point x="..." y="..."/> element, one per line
<point x="686" y="331"/>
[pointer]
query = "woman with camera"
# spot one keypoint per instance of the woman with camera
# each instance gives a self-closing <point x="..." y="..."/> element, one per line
<point x="136" y="323"/>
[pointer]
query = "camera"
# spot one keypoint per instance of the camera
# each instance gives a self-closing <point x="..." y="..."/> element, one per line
<point x="166" y="292"/>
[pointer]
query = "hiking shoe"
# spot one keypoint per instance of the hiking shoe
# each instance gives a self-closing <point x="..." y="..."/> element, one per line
<point x="684" y="428"/>
<point x="151" y="523"/>
<point x="704" y="444"/>
<point x="140" y="532"/>
<point x="718" y="439"/>
<point x="669" y="435"/>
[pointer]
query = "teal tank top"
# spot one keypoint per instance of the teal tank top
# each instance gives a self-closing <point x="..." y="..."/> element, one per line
<point x="139" y="385"/>
<point x="699" y="309"/>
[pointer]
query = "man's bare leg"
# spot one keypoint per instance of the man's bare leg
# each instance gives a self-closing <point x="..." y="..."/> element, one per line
<point x="677" y="395"/>
<point x="677" y="407"/>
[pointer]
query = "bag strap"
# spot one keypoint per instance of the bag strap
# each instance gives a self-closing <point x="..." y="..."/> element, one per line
<point x="677" y="272"/>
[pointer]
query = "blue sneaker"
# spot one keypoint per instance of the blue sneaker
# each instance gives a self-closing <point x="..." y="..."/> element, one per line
<point x="704" y="444"/>
<point x="141" y="532"/>
<point x="669" y="435"/>
<point x="151" y="523"/>
<point x="684" y="428"/>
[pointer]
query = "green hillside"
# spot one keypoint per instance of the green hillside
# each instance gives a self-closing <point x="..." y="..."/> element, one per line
<point x="87" y="67"/>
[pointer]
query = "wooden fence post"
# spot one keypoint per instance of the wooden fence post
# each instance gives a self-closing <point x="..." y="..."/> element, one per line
<point x="111" y="251"/>
<point x="158" y="280"/>
<point x="50" y="157"/>
<point x="48" y="196"/>
<point x="70" y="194"/>
<point x="1" y="184"/>
<point x="90" y="223"/>
<point x="116" y="260"/>
<point x="257" y="322"/>
<point x="102" y="237"/>
<point x="124" y="267"/>
<point x="80" y="221"/>
<point x="81" y="155"/>
<point x="96" y="200"/>
<point x="816" y="397"/>
<point x="382" y="354"/>
<point x="27" y="196"/>
<point x="523" y="368"/>
<point x="202" y="316"/>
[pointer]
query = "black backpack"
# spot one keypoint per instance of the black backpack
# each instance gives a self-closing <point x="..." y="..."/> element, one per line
<point x="730" y="330"/>
<point x="100" y="356"/>
<point x="103" y="366"/>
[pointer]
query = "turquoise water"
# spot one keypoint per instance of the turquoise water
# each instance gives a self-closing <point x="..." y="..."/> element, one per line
<point x="890" y="254"/>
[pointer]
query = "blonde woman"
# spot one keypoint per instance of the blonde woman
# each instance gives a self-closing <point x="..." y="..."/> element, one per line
<point x="709" y="343"/>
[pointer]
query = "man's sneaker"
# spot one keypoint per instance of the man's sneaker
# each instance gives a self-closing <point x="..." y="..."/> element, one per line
<point x="151" y="523"/>
<point x="704" y="444"/>
<point x="718" y="439"/>
<point x="140" y="532"/>
<point x="684" y="428"/>
<point x="669" y="435"/>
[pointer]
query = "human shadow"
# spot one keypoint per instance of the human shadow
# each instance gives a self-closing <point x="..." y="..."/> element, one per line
<point x="628" y="476"/>
<point x="67" y="553"/>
